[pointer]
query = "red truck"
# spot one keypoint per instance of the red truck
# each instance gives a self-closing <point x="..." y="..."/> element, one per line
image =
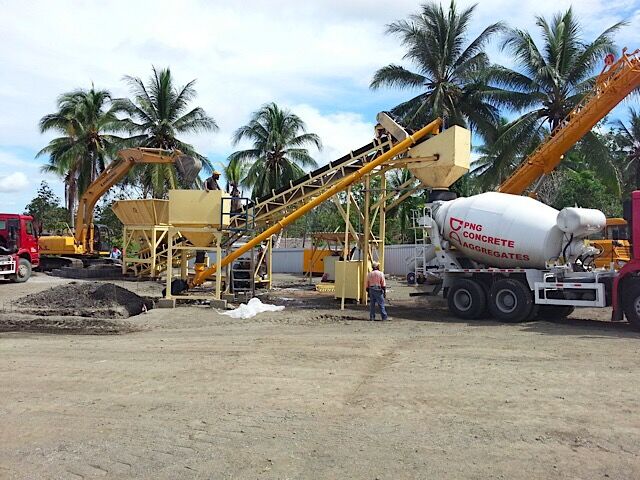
<point x="19" y="252"/>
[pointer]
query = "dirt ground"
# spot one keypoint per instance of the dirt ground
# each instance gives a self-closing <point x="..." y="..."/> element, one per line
<point x="313" y="392"/>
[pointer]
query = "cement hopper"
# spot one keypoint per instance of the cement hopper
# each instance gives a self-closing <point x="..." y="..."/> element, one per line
<point x="198" y="210"/>
<point x="442" y="159"/>
<point x="142" y="213"/>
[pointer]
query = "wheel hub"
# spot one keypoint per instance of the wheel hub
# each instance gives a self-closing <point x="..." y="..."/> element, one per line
<point x="22" y="271"/>
<point x="506" y="301"/>
<point x="636" y="306"/>
<point x="462" y="300"/>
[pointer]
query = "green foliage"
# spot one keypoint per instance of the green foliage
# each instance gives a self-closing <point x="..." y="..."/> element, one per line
<point x="45" y="208"/>
<point x="86" y="122"/>
<point x="157" y="115"/>
<point x="584" y="189"/>
<point x="625" y="143"/>
<point x="551" y="79"/>
<point x="278" y="154"/>
<point x="324" y="218"/>
<point x="449" y="74"/>
<point x="104" y="215"/>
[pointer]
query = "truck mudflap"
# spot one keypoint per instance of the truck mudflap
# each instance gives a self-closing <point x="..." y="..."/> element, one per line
<point x="7" y="265"/>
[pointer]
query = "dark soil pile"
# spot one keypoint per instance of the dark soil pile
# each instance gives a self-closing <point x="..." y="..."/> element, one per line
<point x="85" y="299"/>
<point x="64" y="325"/>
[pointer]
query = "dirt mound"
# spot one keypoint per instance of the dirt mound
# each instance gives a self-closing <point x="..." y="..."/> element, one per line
<point x="86" y="299"/>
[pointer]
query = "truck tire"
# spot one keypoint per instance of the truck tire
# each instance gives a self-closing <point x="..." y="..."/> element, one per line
<point x="510" y="301"/>
<point x="23" y="271"/>
<point x="466" y="299"/>
<point x="555" y="312"/>
<point x="631" y="303"/>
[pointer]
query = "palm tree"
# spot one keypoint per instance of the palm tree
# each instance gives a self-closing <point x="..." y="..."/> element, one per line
<point x="556" y="77"/>
<point x="84" y="120"/>
<point x="278" y="154"/>
<point x="158" y="113"/>
<point x="551" y="81"/>
<point x="234" y="173"/>
<point x="450" y="74"/>
<point x="629" y="139"/>
<point x="501" y="152"/>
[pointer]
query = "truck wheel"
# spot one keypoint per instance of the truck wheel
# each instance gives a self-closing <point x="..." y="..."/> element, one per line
<point x="466" y="299"/>
<point x="23" y="271"/>
<point x="631" y="304"/>
<point x="510" y="301"/>
<point x="555" y="312"/>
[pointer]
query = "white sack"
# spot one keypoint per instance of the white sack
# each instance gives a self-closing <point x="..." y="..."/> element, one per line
<point x="252" y="308"/>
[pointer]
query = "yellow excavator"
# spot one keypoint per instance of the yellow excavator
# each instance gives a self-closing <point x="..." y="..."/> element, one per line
<point x="617" y="80"/>
<point x="88" y="242"/>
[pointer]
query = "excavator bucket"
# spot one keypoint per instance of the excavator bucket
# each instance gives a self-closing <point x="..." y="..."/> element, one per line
<point x="188" y="167"/>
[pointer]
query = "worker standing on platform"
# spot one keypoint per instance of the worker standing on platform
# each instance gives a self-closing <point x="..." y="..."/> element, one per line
<point x="377" y="290"/>
<point x="211" y="183"/>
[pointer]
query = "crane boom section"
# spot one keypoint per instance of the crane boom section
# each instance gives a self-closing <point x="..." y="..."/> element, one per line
<point x="617" y="80"/>
<point x="343" y="184"/>
<point x="112" y="174"/>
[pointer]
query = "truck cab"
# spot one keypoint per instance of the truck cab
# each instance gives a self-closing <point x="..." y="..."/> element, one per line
<point x="19" y="252"/>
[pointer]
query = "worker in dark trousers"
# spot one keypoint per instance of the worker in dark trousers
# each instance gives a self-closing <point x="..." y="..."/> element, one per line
<point x="211" y="183"/>
<point x="377" y="290"/>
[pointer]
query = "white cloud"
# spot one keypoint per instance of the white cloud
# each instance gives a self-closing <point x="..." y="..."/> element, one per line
<point x="19" y="180"/>
<point x="340" y="132"/>
<point x="13" y="183"/>
<point x="316" y="57"/>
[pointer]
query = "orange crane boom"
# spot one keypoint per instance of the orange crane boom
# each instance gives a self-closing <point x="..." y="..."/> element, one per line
<point x="617" y="80"/>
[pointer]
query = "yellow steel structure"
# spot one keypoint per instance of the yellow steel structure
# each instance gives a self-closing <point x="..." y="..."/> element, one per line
<point x="145" y="228"/>
<point x="191" y="209"/>
<point x="451" y="154"/>
<point x="82" y="242"/>
<point x="617" y="80"/>
<point x="349" y="279"/>
<point x="202" y="274"/>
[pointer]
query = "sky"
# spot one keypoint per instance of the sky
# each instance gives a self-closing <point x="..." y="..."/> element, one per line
<point x="315" y="57"/>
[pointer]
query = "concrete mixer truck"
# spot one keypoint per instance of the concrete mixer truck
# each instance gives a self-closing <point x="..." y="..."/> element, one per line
<point x="512" y="257"/>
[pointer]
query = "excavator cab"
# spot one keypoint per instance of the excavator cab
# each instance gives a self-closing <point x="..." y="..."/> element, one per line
<point x="188" y="168"/>
<point x="102" y="239"/>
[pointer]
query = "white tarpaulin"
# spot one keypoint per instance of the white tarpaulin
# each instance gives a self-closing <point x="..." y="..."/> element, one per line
<point x="252" y="308"/>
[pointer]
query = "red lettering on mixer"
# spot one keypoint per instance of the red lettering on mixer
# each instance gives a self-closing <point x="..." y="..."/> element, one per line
<point x="470" y="231"/>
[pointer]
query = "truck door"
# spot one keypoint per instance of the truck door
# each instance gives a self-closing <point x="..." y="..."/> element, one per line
<point x="13" y="234"/>
<point x="30" y="242"/>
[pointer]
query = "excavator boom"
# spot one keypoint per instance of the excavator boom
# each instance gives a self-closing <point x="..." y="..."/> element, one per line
<point x="617" y="80"/>
<point x="188" y="168"/>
